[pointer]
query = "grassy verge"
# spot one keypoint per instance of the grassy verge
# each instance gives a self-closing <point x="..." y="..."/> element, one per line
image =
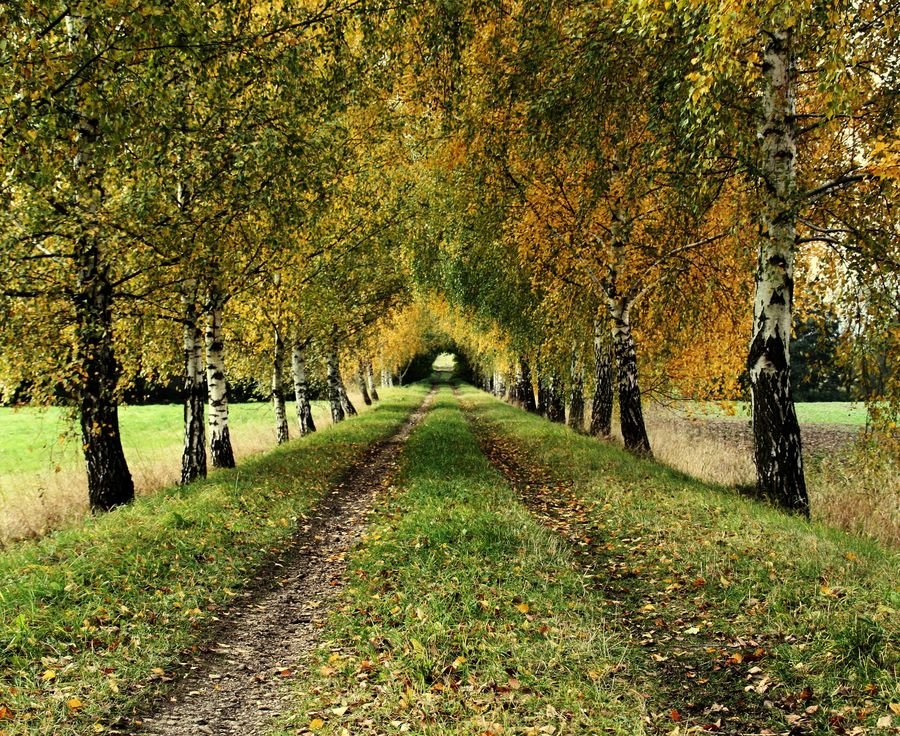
<point x="464" y="615"/>
<point x="730" y="599"/>
<point x="92" y="617"/>
<point x="42" y="480"/>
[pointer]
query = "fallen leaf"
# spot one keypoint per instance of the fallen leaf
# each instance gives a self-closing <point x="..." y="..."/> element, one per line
<point x="316" y="723"/>
<point x="522" y="608"/>
<point x="49" y="675"/>
<point x="74" y="703"/>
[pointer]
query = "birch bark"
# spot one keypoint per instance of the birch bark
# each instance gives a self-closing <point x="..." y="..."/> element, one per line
<point x="282" y="433"/>
<point x="363" y="384"/>
<point x="576" y="394"/>
<point x="305" y="421"/>
<point x="526" y="389"/>
<point x="109" y="480"/>
<point x="776" y="431"/>
<point x="193" y="457"/>
<point x="631" y="415"/>
<point x="602" y="403"/>
<point x="220" y="450"/>
<point x="334" y="387"/>
<point x="370" y="378"/>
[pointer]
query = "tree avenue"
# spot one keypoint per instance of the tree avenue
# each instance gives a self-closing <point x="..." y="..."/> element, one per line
<point x="593" y="204"/>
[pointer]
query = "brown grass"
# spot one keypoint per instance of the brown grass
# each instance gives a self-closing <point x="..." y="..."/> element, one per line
<point x="855" y="488"/>
<point x="33" y="504"/>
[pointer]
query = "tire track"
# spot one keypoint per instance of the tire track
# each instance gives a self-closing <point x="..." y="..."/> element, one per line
<point x="235" y="687"/>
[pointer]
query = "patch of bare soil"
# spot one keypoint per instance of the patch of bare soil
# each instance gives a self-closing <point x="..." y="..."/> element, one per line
<point x="819" y="440"/>
<point x="236" y="685"/>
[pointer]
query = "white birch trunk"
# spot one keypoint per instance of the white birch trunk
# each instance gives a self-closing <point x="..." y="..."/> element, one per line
<point x="193" y="458"/>
<point x="301" y="389"/>
<point x="363" y="383"/>
<point x="221" y="452"/>
<point x="602" y="404"/>
<point x="282" y="434"/>
<point x="370" y="378"/>
<point x="631" y="416"/>
<point x="777" y="447"/>
<point x="333" y="373"/>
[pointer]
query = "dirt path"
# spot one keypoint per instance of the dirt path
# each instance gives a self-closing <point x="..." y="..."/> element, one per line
<point x="236" y="686"/>
<point x="708" y="681"/>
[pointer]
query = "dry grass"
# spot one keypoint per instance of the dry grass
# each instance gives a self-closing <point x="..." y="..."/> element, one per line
<point x="34" y="503"/>
<point x="855" y="488"/>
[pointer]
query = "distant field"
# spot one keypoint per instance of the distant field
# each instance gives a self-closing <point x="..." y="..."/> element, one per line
<point x="42" y="481"/>
<point x="813" y="412"/>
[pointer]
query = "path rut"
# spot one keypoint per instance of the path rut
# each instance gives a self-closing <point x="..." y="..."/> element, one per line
<point x="237" y="685"/>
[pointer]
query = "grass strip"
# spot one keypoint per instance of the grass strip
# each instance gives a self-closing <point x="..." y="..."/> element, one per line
<point x="464" y="616"/>
<point x="805" y="616"/>
<point x="93" y="617"/>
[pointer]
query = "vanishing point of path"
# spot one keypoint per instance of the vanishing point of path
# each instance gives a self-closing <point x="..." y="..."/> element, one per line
<point x="236" y="686"/>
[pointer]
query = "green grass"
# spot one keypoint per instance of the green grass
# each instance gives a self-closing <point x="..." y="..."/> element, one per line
<point x="33" y="440"/>
<point x="465" y="616"/>
<point x="42" y="479"/>
<point x="445" y="362"/>
<point x="92" y="615"/>
<point x="812" y="412"/>
<point x="821" y="605"/>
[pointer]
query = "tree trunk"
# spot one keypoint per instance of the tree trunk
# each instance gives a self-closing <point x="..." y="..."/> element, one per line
<point x="220" y="449"/>
<point x="363" y="384"/>
<point x="370" y="378"/>
<point x="542" y="395"/>
<point x="109" y="480"/>
<point x="346" y="404"/>
<point x="513" y="394"/>
<point x="576" y="394"/>
<point x="193" y="458"/>
<point x="602" y="404"/>
<point x="301" y="389"/>
<point x="525" y="389"/>
<point x="334" y="387"/>
<point x="499" y="386"/>
<point x="631" y="416"/>
<point x="776" y="431"/>
<point x="282" y="434"/>
<point x="556" y="408"/>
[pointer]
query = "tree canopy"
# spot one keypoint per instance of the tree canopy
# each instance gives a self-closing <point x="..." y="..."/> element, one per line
<point x="621" y="198"/>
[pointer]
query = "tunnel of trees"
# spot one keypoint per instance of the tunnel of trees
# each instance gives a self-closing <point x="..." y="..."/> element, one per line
<point x="590" y="204"/>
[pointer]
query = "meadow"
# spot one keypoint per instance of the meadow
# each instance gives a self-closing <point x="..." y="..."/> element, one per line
<point x="42" y="484"/>
<point x="808" y="412"/>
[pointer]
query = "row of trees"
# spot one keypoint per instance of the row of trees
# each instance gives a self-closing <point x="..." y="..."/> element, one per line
<point x="561" y="188"/>
<point x="170" y="166"/>
<point x="633" y="175"/>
